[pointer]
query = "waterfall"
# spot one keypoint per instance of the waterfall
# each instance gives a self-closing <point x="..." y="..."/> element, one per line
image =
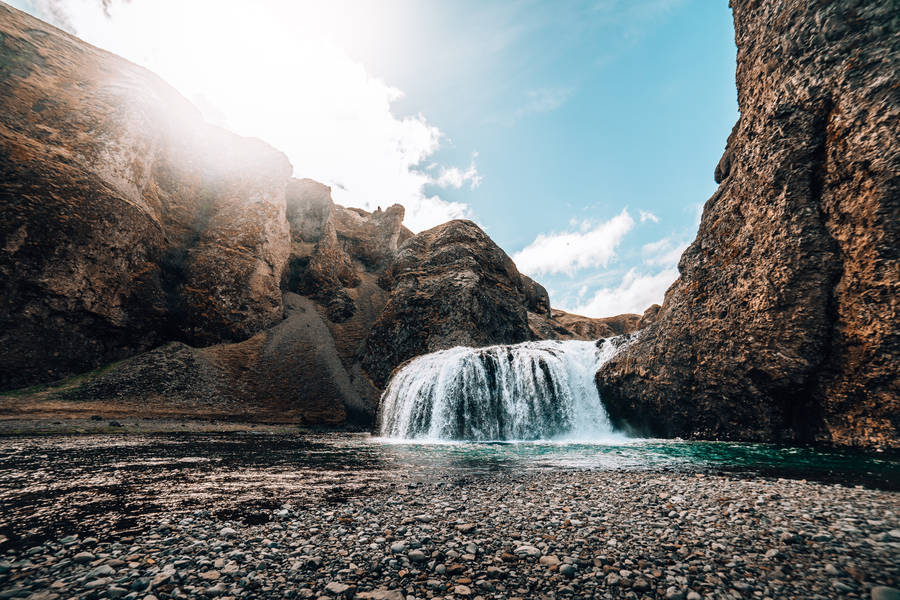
<point x="528" y="391"/>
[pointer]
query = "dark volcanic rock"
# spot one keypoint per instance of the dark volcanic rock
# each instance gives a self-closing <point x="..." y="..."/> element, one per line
<point x="125" y="220"/>
<point x="536" y="298"/>
<point x="783" y="324"/>
<point x="450" y="286"/>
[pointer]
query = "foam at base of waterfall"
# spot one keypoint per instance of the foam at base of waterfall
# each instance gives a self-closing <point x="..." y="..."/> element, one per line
<point x="529" y="391"/>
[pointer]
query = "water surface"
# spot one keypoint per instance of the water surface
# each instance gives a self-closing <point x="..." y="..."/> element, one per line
<point x="54" y="485"/>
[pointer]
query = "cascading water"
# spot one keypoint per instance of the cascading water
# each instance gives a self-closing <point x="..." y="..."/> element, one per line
<point x="528" y="391"/>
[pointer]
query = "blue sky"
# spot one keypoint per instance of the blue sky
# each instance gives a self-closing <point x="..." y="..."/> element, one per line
<point x="581" y="135"/>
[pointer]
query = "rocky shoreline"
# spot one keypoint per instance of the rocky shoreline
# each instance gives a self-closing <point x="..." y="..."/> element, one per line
<point x="581" y="534"/>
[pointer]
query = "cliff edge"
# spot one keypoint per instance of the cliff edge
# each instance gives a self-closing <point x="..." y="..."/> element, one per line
<point x="783" y="324"/>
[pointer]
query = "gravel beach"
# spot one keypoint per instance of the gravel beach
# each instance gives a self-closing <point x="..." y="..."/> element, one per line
<point x="580" y="534"/>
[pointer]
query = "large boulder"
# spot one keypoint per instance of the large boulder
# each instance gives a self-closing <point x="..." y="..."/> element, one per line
<point x="449" y="286"/>
<point x="125" y="220"/>
<point x="783" y="324"/>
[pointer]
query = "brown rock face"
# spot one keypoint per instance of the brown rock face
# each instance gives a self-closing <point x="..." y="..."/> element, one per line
<point x="783" y="324"/>
<point x="588" y="328"/>
<point x="449" y="286"/>
<point x="125" y="220"/>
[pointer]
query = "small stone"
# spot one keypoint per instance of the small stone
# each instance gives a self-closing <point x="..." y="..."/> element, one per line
<point x="841" y="587"/>
<point x="495" y="572"/>
<point x="692" y="595"/>
<point x="528" y="551"/>
<point x="549" y="561"/>
<point x="227" y="532"/>
<point x="116" y="591"/>
<point x="216" y="590"/>
<point x="140" y="584"/>
<point x="381" y="595"/>
<point x="462" y="590"/>
<point x="399" y="547"/>
<point x="210" y="575"/>
<point x="883" y="592"/>
<point x="568" y="570"/>
<point x="97" y="583"/>
<point x="673" y="593"/>
<point x="336" y="588"/>
<point x="788" y="538"/>
<point x="83" y="557"/>
<point x="417" y="556"/>
<point x="102" y="571"/>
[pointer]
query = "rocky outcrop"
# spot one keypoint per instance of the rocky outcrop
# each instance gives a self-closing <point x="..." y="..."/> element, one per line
<point x="588" y="328"/>
<point x="125" y="220"/>
<point x="783" y="324"/>
<point x="449" y="286"/>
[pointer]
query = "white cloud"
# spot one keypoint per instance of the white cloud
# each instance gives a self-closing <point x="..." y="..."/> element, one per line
<point x="634" y="295"/>
<point x="663" y="253"/>
<point x="648" y="216"/>
<point x="454" y="177"/>
<point x="427" y="212"/>
<point x="272" y="70"/>
<point x="594" y="245"/>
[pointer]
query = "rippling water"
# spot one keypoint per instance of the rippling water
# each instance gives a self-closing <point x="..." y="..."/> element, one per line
<point x="66" y="484"/>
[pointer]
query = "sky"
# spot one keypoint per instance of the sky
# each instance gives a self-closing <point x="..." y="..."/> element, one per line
<point x="581" y="135"/>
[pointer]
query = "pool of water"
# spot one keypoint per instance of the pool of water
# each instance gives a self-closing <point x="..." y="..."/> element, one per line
<point x="56" y="485"/>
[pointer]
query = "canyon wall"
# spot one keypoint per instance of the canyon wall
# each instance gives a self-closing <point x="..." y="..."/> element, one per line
<point x="783" y="324"/>
<point x="125" y="219"/>
<point x="176" y="269"/>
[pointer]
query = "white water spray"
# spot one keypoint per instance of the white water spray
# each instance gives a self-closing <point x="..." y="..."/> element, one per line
<point x="528" y="391"/>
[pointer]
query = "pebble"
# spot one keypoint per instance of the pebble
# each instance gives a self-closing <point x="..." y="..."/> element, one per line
<point x="538" y="535"/>
<point x="883" y="592"/>
<point x="336" y="588"/>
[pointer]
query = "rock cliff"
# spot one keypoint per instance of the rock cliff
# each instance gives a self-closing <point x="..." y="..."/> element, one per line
<point x="125" y="220"/>
<point x="784" y="323"/>
<point x="450" y="286"/>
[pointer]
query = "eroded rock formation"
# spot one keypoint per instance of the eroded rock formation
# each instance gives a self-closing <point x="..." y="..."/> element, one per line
<point x="125" y="219"/>
<point x="784" y="322"/>
<point x="450" y="286"/>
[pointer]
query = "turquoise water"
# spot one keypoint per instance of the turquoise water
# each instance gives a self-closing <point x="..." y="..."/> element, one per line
<point x="837" y="465"/>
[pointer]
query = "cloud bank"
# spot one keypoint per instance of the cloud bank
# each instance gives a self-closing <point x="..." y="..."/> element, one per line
<point x="634" y="294"/>
<point x="594" y="245"/>
<point x="640" y="287"/>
